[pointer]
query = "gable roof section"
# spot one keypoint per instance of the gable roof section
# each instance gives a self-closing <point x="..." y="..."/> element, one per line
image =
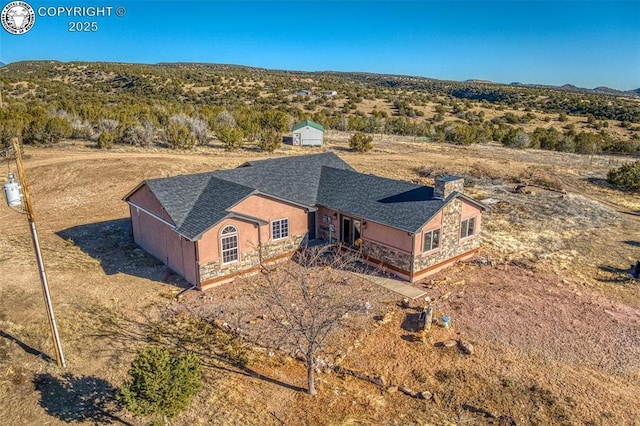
<point x="398" y="204"/>
<point x="307" y="123"/>
<point x="401" y="205"/>
<point x="178" y="194"/>
<point x="212" y="206"/>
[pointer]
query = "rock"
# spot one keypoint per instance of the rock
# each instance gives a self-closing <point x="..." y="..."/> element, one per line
<point x="479" y="410"/>
<point x="405" y="390"/>
<point x="386" y="318"/>
<point x="465" y="347"/>
<point x="436" y="399"/>
<point x="392" y="389"/>
<point x="449" y="343"/>
<point x="425" y="395"/>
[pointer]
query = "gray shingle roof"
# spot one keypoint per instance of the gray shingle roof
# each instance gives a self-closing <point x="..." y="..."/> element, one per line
<point x="401" y="205"/>
<point x="212" y="206"/>
<point x="295" y="179"/>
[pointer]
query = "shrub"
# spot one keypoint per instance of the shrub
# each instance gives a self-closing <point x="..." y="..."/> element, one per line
<point x="9" y="129"/>
<point x="161" y="384"/>
<point x="626" y="177"/>
<point x="361" y="142"/>
<point x="179" y="136"/>
<point x="269" y="140"/>
<point x="231" y="137"/>
<point x="105" y="140"/>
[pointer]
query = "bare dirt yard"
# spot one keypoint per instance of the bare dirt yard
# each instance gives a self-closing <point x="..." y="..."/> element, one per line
<point x="545" y="323"/>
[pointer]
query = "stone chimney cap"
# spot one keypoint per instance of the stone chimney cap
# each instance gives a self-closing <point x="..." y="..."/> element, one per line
<point x="446" y="185"/>
<point x="448" y="178"/>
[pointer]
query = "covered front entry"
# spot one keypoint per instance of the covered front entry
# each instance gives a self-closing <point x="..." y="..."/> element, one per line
<point x="350" y="230"/>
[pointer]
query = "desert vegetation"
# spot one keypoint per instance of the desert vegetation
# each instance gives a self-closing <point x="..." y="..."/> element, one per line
<point x="186" y="105"/>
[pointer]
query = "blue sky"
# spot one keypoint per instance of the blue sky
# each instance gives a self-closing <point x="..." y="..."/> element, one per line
<point x="585" y="43"/>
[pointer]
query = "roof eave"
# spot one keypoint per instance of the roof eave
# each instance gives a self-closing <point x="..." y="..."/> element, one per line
<point x="133" y="191"/>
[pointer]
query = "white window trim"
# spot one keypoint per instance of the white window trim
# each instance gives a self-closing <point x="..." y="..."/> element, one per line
<point x="424" y="235"/>
<point x="273" y="238"/>
<point x="474" y="227"/>
<point x="222" y="249"/>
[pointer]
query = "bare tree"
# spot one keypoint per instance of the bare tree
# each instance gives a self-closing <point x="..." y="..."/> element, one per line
<point x="311" y="299"/>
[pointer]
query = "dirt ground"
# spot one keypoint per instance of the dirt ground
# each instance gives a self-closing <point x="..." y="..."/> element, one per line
<point x="549" y="307"/>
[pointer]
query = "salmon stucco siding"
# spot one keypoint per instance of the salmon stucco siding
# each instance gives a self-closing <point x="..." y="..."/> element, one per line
<point x="256" y="243"/>
<point x="158" y="238"/>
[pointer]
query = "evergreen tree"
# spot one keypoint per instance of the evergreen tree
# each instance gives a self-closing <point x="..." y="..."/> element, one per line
<point x="626" y="177"/>
<point x="361" y="142"/>
<point x="159" y="384"/>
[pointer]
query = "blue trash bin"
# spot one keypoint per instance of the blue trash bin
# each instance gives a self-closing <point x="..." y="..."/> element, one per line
<point x="446" y="321"/>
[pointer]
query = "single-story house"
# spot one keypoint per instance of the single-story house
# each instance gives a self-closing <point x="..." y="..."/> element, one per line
<point x="329" y="93"/>
<point x="213" y="227"/>
<point x="308" y="133"/>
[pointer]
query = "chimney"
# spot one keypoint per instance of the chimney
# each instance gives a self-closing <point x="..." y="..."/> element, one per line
<point x="445" y="185"/>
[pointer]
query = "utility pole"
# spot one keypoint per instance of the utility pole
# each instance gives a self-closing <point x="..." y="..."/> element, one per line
<point x="36" y="244"/>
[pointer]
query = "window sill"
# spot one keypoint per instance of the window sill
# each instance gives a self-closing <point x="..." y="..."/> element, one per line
<point x="430" y="252"/>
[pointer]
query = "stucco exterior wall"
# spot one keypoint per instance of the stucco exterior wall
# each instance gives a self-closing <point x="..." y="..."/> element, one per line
<point x="144" y="197"/>
<point x="269" y="210"/>
<point x="162" y="242"/>
<point x="251" y="246"/>
<point x="209" y="244"/>
<point x="389" y="237"/>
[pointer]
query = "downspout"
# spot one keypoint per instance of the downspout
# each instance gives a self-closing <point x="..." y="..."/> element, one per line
<point x="413" y="255"/>
<point x="259" y="244"/>
<point x="197" y="254"/>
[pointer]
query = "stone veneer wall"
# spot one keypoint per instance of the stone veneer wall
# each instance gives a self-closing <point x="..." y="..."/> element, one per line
<point x="212" y="270"/>
<point x="390" y="256"/>
<point x="450" y="244"/>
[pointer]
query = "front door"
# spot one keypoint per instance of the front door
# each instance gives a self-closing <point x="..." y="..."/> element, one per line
<point x="345" y="231"/>
<point x="350" y="230"/>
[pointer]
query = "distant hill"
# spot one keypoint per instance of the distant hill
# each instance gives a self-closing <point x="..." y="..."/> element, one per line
<point x="2" y="64"/>
<point x="598" y="90"/>
<point x="227" y="85"/>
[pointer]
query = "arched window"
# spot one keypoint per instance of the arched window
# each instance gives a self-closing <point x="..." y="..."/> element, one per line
<point x="229" y="244"/>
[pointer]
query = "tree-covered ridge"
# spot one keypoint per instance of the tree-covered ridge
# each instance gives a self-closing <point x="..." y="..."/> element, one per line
<point x="129" y="103"/>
